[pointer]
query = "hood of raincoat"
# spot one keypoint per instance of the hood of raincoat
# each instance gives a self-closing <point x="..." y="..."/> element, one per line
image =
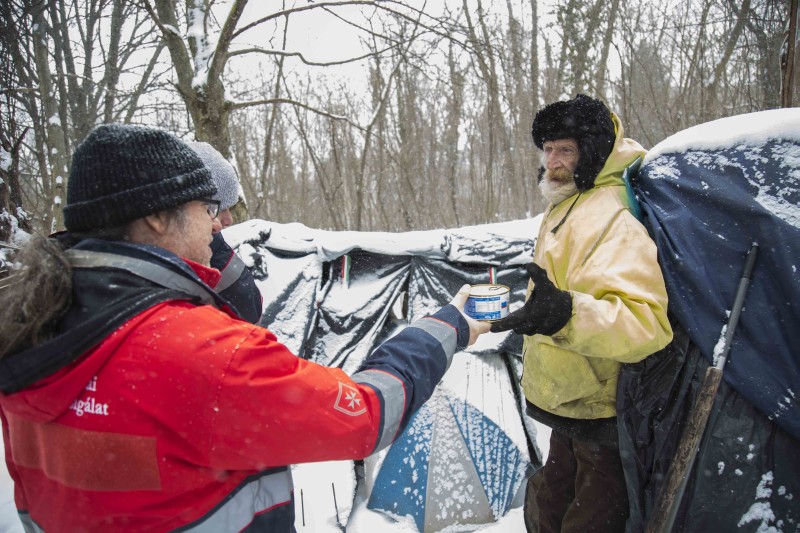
<point x="592" y="246"/>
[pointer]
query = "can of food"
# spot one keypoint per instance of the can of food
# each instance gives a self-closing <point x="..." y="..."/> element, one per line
<point x="487" y="302"/>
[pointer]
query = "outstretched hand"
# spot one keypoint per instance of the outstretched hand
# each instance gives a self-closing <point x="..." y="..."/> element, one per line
<point x="476" y="327"/>
<point x="546" y="311"/>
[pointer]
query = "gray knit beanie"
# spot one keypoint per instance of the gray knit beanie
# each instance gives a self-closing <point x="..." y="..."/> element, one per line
<point x="120" y="173"/>
<point x="222" y="172"/>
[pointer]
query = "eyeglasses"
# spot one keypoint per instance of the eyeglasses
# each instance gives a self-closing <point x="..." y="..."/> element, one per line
<point x="212" y="206"/>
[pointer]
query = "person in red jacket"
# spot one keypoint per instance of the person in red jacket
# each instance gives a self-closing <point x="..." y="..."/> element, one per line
<point x="134" y="399"/>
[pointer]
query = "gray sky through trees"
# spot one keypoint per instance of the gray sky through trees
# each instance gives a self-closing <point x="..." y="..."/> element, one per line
<point x="428" y="128"/>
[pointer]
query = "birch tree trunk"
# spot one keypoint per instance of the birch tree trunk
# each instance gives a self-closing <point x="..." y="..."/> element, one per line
<point x="53" y="139"/>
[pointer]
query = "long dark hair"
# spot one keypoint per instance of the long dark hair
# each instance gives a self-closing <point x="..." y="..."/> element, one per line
<point x="39" y="290"/>
<point x="35" y="295"/>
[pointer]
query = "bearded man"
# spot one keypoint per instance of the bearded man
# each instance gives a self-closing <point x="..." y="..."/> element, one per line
<point x="596" y="300"/>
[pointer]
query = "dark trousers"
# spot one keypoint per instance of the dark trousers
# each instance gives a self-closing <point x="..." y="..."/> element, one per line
<point x="581" y="488"/>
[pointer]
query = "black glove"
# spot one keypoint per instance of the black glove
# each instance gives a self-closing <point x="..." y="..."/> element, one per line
<point x="547" y="310"/>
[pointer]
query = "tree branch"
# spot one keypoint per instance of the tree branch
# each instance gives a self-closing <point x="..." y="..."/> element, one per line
<point x="168" y="24"/>
<point x="307" y="61"/>
<point x="318" y="5"/>
<point x="278" y="101"/>
<point x="224" y="42"/>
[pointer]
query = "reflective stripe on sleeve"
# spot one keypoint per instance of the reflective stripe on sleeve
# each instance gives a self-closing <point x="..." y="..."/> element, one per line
<point x="230" y="274"/>
<point x="393" y="394"/>
<point x="443" y="332"/>
<point x="28" y="524"/>
<point x="249" y="500"/>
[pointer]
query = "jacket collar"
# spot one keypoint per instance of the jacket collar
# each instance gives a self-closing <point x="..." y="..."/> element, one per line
<point x="104" y="298"/>
<point x="209" y="275"/>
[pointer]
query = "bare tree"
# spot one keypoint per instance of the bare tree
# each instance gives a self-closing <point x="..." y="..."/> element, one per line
<point x="51" y="129"/>
<point x="67" y="69"/>
<point x="438" y="134"/>
<point x="693" y="63"/>
<point x="454" y="113"/>
<point x="15" y="83"/>
<point x="13" y="216"/>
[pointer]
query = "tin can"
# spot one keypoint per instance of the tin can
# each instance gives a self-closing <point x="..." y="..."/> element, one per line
<point x="487" y="302"/>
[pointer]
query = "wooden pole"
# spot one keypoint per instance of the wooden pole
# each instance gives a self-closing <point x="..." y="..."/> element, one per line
<point x="669" y="498"/>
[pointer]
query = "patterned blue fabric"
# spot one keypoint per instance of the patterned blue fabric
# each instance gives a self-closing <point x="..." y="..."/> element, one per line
<point x="451" y="466"/>
<point x="500" y="464"/>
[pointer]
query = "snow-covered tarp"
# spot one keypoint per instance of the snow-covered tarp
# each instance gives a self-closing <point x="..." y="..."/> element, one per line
<point x="708" y="193"/>
<point x="327" y="294"/>
<point x="332" y="297"/>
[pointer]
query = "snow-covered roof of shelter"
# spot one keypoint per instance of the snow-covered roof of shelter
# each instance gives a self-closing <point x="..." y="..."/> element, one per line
<point x="750" y="128"/>
<point x="469" y="244"/>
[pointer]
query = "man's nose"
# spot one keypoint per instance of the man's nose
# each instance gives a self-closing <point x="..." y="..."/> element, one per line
<point x="216" y="225"/>
<point x="553" y="161"/>
<point x="225" y="218"/>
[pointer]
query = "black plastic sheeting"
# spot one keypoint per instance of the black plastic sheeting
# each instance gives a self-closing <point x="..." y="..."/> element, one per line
<point x="745" y="473"/>
<point x="345" y="337"/>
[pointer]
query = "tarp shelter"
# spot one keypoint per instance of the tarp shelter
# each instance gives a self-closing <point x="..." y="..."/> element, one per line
<point x="706" y="194"/>
<point x="332" y="297"/>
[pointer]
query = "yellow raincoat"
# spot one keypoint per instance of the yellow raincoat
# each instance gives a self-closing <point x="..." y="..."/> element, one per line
<point x="604" y="257"/>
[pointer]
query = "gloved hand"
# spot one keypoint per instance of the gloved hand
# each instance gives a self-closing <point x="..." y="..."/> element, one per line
<point x="547" y="310"/>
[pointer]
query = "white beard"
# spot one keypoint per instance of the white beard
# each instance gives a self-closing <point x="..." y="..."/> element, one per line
<point x="556" y="191"/>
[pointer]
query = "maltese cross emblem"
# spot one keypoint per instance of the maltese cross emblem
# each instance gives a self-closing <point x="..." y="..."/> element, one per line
<point x="349" y="401"/>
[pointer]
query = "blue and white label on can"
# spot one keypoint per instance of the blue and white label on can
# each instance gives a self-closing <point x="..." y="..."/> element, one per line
<point x="487" y="302"/>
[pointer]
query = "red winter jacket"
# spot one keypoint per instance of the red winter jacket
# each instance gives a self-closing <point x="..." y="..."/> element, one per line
<point x="187" y="417"/>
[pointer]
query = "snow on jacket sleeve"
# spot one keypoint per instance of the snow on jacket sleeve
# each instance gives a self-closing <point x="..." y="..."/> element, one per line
<point x="274" y="408"/>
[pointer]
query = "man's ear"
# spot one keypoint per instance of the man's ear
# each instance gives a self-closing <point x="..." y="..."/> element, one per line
<point x="158" y="223"/>
<point x="151" y="229"/>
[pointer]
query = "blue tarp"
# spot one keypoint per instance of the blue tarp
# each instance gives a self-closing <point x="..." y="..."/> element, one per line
<point x="704" y="207"/>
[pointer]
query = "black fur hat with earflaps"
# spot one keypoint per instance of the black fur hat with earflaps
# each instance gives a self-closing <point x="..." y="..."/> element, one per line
<point x="584" y="119"/>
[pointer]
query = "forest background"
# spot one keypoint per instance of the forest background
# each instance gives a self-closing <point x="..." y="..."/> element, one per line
<point x="370" y="115"/>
